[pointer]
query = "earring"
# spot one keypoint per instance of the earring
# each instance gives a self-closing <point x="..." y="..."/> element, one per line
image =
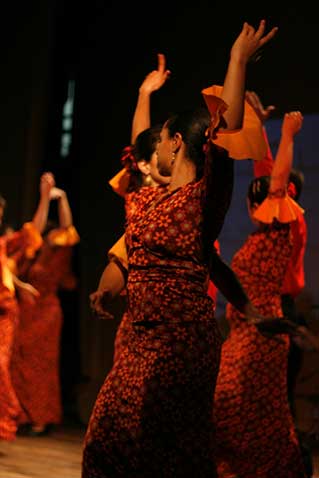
<point x="147" y="180"/>
<point x="173" y="158"/>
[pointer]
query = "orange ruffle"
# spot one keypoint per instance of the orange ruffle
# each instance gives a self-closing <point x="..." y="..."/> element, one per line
<point x="64" y="236"/>
<point x="33" y="239"/>
<point x="7" y="278"/>
<point x="246" y="143"/>
<point x="119" y="251"/>
<point x="284" y="209"/>
<point x="119" y="183"/>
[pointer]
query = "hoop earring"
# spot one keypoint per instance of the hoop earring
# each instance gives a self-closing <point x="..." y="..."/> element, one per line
<point x="173" y="158"/>
<point x="147" y="181"/>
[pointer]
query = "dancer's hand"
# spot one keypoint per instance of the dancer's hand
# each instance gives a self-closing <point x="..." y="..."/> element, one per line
<point x="249" y="42"/>
<point x="99" y="302"/>
<point x="156" y="78"/>
<point x="26" y="292"/>
<point x="292" y="123"/>
<point x="57" y="193"/>
<point x="263" y="113"/>
<point x="47" y="182"/>
<point x="306" y="339"/>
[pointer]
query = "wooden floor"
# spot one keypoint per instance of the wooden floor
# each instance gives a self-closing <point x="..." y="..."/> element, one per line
<point x="56" y="456"/>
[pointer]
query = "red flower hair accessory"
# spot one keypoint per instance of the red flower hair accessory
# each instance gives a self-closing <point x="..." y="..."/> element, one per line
<point x="291" y="190"/>
<point x="128" y="159"/>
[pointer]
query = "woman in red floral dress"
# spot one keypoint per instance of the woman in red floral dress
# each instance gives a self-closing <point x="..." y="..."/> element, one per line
<point x="255" y="429"/>
<point x="22" y="243"/>
<point x="152" y="414"/>
<point x="36" y="357"/>
<point x="138" y="179"/>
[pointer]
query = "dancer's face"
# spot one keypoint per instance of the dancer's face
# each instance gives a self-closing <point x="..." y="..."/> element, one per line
<point x="165" y="153"/>
<point x="154" y="171"/>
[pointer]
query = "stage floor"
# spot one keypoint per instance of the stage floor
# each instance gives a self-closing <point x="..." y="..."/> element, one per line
<point x="56" y="455"/>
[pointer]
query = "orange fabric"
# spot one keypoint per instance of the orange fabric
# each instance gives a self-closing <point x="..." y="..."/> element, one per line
<point x="119" y="183"/>
<point x="295" y="275"/>
<point x="7" y="279"/>
<point x="64" y="236"/>
<point x="246" y="143"/>
<point x="33" y="239"/>
<point x="22" y="243"/>
<point x="35" y="362"/>
<point x="119" y="251"/>
<point x="283" y="209"/>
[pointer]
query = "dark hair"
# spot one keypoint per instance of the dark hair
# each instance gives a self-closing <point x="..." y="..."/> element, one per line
<point x="145" y="143"/>
<point x="297" y="178"/>
<point x="142" y="150"/>
<point x="192" y="125"/>
<point x="258" y="190"/>
<point x="3" y="202"/>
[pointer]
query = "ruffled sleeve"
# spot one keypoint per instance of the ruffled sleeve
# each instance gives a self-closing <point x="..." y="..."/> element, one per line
<point x="246" y="143"/>
<point x="24" y="242"/>
<point x="64" y="236"/>
<point x="118" y="251"/>
<point x="283" y="209"/>
<point x="120" y="182"/>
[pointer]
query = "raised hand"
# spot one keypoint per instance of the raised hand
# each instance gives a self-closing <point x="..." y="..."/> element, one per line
<point x="56" y="193"/>
<point x="263" y="113"/>
<point x="156" y="78"/>
<point x="249" y="41"/>
<point x="292" y="123"/>
<point x="47" y="182"/>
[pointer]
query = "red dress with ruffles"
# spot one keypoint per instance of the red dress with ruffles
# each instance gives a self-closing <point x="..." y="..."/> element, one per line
<point x="20" y="243"/>
<point x="255" y="430"/>
<point x="152" y="416"/>
<point x="35" y="362"/>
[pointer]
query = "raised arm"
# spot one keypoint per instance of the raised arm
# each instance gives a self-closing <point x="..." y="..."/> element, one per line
<point x="291" y="125"/>
<point x="247" y="44"/>
<point x="40" y="217"/>
<point x="64" y="210"/>
<point x="153" y="82"/>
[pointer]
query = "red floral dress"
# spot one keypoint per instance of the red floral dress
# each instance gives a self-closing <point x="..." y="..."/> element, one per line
<point x="20" y="243"/>
<point x="152" y="416"/>
<point x="35" y="361"/>
<point x="255" y="430"/>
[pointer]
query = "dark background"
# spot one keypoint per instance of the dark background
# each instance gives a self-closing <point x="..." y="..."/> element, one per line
<point x="107" y="48"/>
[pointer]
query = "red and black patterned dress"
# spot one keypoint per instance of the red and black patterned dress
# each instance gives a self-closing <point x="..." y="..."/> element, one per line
<point x="36" y="358"/>
<point x="23" y="242"/>
<point x="133" y="200"/>
<point x="152" y="417"/>
<point x="255" y="431"/>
